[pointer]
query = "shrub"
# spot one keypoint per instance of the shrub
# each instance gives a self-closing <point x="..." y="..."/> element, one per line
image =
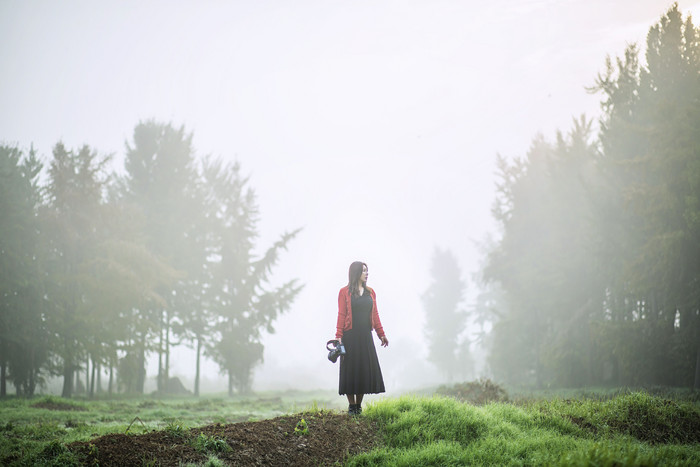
<point x="479" y="392"/>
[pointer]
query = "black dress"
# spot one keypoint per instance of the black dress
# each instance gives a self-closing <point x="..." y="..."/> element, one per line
<point x="359" y="368"/>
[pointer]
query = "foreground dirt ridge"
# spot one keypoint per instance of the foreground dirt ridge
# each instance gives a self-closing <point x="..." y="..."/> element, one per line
<point x="323" y="438"/>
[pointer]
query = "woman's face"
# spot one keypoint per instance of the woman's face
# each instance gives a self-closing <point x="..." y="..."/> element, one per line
<point x="365" y="273"/>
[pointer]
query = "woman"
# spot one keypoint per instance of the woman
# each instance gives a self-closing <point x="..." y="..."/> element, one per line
<point x="357" y="316"/>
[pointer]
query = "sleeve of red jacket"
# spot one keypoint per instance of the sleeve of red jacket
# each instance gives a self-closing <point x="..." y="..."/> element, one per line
<point x="376" y="323"/>
<point x="342" y="311"/>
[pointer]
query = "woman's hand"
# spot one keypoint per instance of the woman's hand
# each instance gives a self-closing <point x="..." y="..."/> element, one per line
<point x="385" y="341"/>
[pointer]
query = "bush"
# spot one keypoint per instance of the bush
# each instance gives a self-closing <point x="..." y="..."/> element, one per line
<point x="479" y="392"/>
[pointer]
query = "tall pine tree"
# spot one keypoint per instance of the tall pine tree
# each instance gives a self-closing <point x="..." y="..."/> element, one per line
<point x="445" y="317"/>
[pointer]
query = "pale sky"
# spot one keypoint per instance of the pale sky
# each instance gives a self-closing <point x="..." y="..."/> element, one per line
<point x="372" y="124"/>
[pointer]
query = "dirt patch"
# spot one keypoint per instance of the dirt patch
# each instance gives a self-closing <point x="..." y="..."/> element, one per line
<point x="583" y="423"/>
<point x="329" y="438"/>
<point x="54" y="405"/>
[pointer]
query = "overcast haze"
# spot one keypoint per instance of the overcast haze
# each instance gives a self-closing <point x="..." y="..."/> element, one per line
<point x="373" y="125"/>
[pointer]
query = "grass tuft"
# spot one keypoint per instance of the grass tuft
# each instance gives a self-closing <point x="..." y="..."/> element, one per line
<point x="175" y="429"/>
<point x="207" y="443"/>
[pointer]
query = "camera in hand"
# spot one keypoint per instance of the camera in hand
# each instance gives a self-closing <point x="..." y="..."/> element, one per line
<point x="336" y="351"/>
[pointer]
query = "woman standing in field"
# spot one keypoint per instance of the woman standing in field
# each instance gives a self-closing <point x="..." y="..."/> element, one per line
<point x="357" y="317"/>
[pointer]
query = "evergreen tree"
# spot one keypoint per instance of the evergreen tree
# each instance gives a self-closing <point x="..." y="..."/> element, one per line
<point x="73" y="219"/>
<point x="599" y="247"/>
<point x="23" y="338"/>
<point x="445" y="319"/>
<point x="651" y="149"/>
<point x="545" y="262"/>
<point x="239" y="297"/>
<point x="162" y="184"/>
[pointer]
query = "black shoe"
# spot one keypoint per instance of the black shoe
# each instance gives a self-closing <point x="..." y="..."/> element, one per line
<point x="354" y="409"/>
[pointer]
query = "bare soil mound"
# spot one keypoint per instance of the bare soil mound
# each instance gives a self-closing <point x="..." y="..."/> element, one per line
<point x="325" y="438"/>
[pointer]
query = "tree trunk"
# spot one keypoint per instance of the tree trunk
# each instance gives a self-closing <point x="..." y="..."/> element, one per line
<point x="196" y="373"/>
<point x="589" y="354"/>
<point x="166" y="370"/>
<point x="3" y="387"/>
<point x="159" y="381"/>
<point x="87" y="376"/>
<point x="32" y="383"/>
<point x="230" y="384"/>
<point x="92" y="379"/>
<point x="32" y="373"/>
<point x="696" y="385"/>
<point x="99" y="378"/>
<point x="88" y="366"/>
<point x="111" y="379"/>
<point x="67" y="391"/>
<point x="141" y="376"/>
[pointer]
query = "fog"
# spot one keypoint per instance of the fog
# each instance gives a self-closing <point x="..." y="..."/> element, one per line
<point x="372" y="125"/>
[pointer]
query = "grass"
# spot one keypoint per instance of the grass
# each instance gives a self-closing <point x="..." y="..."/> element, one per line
<point x="608" y="429"/>
<point x="207" y="443"/>
<point x="631" y="430"/>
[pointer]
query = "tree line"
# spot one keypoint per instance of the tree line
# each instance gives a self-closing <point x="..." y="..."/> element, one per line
<point x="98" y="270"/>
<point x="595" y="276"/>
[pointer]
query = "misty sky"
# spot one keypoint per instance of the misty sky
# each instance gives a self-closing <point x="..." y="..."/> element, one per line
<point x="373" y="125"/>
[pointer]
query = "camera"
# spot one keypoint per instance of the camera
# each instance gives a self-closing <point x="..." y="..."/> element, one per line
<point x="336" y="351"/>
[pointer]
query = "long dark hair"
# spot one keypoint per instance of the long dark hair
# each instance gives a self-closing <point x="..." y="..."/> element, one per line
<point x="354" y="274"/>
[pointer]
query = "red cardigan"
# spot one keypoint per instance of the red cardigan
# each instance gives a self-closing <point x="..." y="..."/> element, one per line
<point x="345" y="313"/>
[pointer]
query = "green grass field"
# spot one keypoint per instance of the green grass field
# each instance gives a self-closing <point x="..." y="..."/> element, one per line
<point x="632" y="429"/>
<point x="629" y="430"/>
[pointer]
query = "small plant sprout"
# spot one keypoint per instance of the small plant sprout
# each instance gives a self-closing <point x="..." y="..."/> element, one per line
<point x="302" y="428"/>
